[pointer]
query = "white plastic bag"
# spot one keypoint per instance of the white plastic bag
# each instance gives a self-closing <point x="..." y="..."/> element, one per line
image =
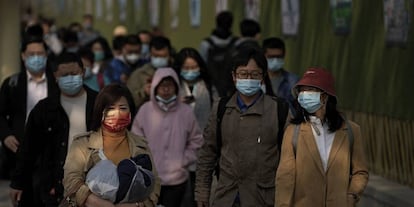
<point x="102" y="179"/>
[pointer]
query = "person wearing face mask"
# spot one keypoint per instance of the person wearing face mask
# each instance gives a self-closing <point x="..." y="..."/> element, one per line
<point x="102" y="54"/>
<point x="322" y="161"/>
<point x="244" y="143"/>
<point x="173" y="135"/>
<point x="90" y="79"/>
<point x="88" y="33"/>
<point x="139" y="82"/>
<point x="282" y="81"/>
<point x="18" y="95"/>
<point x="49" y="132"/>
<point x="109" y="140"/>
<point x="198" y="92"/>
<point x="119" y="69"/>
<point x="145" y="37"/>
<point x="70" y="41"/>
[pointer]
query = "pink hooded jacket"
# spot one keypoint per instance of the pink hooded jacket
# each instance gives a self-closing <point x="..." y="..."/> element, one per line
<point x="174" y="135"/>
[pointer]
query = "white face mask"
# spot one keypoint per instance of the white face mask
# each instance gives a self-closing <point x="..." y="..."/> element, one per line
<point x="132" y="58"/>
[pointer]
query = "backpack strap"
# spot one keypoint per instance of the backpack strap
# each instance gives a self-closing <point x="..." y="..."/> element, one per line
<point x="220" y="113"/>
<point x="211" y="42"/>
<point x="233" y="41"/>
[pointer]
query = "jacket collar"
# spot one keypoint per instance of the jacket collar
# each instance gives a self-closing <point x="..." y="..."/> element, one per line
<point x="256" y="108"/>
<point x="96" y="142"/>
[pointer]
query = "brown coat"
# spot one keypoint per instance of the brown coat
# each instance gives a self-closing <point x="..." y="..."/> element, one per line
<point x="302" y="181"/>
<point x="249" y="155"/>
<point x="83" y="155"/>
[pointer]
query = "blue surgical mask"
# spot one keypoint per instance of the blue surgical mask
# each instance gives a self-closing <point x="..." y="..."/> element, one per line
<point x="159" y="62"/>
<point x="190" y="75"/>
<point x="145" y="49"/>
<point x="88" y="72"/>
<point x="166" y="101"/>
<point x="70" y="84"/>
<point x="248" y="87"/>
<point x="275" y="64"/>
<point x="99" y="55"/>
<point x="310" y="100"/>
<point x="35" y="63"/>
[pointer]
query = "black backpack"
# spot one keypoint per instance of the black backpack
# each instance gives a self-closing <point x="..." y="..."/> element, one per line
<point x="282" y="113"/>
<point x="217" y="64"/>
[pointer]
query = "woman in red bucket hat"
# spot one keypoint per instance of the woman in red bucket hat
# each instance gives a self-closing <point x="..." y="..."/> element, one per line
<point x="322" y="160"/>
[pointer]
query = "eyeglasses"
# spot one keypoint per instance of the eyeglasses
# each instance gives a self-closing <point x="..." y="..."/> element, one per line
<point x="244" y="74"/>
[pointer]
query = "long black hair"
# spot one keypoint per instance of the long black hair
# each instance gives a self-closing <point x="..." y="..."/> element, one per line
<point x="332" y="115"/>
<point x="189" y="52"/>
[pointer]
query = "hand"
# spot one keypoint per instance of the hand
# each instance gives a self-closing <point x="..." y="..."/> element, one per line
<point x="11" y="143"/>
<point x="188" y="99"/>
<point x="15" y="196"/>
<point x="94" y="200"/>
<point x="52" y="191"/>
<point x="123" y="78"/>
<point x="202" y="204"/>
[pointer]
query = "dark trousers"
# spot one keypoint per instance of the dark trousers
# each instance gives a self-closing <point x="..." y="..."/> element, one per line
<point x="172" y="195"/>
<point x="188" y="199"/>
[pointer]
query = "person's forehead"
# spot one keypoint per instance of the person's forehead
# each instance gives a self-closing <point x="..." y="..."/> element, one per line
<point x="97" y="45"/>
<point x="273" y="51"/>
<point x="121" y="101"/>
<point x="251" y="66"/>
<point x="35" y="46"/>
<point x="71" y="66"/>
<point x="131" y="46"/>
<point x="167" y="81"/>
<point x="190" y="61"/>
<point x="308" y="88"/>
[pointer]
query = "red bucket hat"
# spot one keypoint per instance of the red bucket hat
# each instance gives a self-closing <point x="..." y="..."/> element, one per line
<point x="319" y="78"/>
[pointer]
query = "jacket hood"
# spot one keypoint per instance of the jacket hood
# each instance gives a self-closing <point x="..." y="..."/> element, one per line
<point x="160" y="74"/>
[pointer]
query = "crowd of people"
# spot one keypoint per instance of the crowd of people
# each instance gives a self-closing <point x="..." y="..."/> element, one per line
<point x="138" y="123"/>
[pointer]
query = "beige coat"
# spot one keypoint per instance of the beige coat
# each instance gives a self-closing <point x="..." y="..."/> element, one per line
<point x="249" y="155"/>
<point x="83" y="155"/>
<point x="302" y="181"/>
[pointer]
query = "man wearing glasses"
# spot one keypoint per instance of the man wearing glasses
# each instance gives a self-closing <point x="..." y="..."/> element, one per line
<point x="247" y="146"/>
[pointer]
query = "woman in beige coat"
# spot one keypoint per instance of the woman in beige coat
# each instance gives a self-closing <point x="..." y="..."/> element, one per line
<point x="111" y="141"/>
<point x="322" y="160"/>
